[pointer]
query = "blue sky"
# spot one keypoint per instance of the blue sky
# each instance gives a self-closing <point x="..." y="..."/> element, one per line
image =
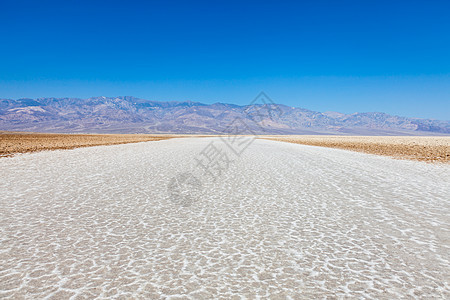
<point x="347" y="56"/>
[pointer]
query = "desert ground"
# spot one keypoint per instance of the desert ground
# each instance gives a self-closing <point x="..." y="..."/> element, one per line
<point x="24" y="142"/>
<point x="422" y="148"/>
<point x="263" y="219"/>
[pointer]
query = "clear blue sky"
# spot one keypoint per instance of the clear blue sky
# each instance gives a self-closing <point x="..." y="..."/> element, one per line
<point x="347" y="56"/>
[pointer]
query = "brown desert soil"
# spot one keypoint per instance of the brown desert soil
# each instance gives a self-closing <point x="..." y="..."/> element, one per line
<point x="21" y="142"/>
<point x="422" y="148"/>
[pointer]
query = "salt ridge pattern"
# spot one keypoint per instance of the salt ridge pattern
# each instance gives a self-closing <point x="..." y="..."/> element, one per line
<point x="285" y="221"/>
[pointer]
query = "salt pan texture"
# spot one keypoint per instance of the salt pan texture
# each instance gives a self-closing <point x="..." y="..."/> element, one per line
<point x="283" y="220"/>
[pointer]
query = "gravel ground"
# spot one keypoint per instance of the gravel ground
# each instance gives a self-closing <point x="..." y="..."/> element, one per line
<point x="279" y="221"/>
<point x="422" y="148"/>
<point x="13" y="143"/>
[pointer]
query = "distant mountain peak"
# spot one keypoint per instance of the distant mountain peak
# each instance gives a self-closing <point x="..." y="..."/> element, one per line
<point x="128" y="114"/>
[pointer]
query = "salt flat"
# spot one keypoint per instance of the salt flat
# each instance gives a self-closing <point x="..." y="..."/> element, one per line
<point x="281" y="220"/>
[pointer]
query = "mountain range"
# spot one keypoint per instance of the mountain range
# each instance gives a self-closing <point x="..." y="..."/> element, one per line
<point x="134" y="115"/>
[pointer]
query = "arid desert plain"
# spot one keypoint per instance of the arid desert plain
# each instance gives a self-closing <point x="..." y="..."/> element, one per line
<point x="196" y="218"/>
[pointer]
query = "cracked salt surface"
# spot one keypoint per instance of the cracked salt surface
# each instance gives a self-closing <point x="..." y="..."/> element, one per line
<point x="285" y="220"/>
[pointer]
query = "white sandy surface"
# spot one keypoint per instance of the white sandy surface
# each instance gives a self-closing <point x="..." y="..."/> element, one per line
<point x="284" y="220"/>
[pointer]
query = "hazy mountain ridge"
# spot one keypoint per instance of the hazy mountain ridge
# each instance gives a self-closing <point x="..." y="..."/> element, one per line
<point x="134" y="115"/>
